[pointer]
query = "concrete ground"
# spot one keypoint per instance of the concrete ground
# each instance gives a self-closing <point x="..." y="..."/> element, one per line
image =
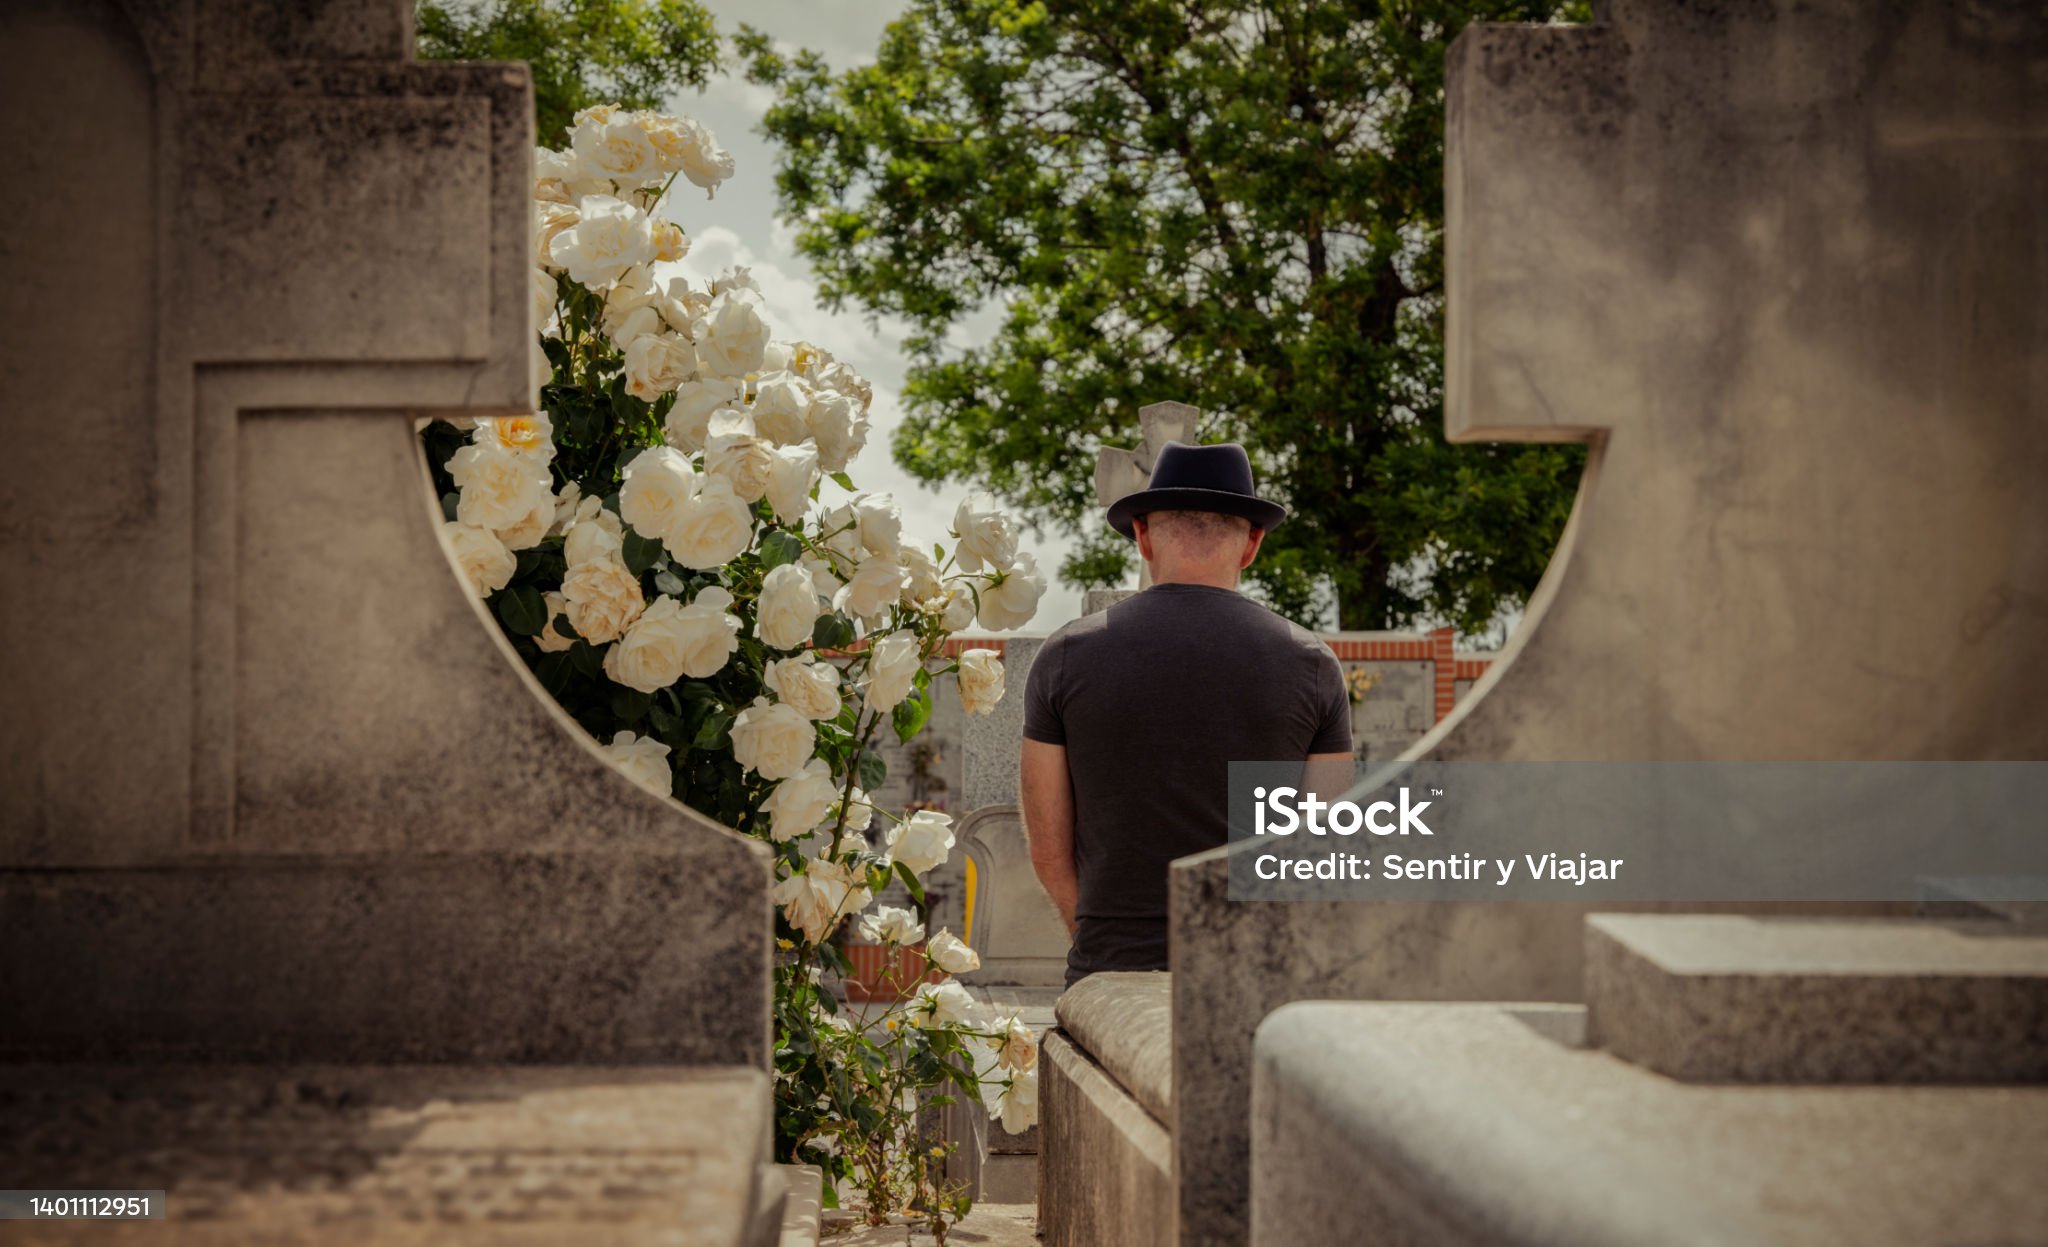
<point x="988" y="1225"/>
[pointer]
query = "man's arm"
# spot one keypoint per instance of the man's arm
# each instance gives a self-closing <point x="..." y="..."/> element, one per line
<point x="1049" y="823"/>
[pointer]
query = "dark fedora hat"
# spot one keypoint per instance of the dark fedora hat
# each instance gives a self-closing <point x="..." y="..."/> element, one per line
<point x="1198" y="478"/>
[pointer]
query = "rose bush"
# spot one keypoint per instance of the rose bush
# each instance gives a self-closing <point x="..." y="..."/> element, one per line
<point x="654" y="543"/>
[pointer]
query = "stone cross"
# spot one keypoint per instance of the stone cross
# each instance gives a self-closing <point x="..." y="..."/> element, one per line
<point x="1119" y="472"/>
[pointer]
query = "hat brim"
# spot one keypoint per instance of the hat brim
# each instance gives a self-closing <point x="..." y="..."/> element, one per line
<point x="1263" y="514"/>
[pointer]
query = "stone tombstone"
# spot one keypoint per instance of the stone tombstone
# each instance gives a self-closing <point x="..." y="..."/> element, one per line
<point x="1120" y="472"/>
<point x="1014" y="927"/>
<point x="274" y="784"/>
<point x="1780" y="268"/>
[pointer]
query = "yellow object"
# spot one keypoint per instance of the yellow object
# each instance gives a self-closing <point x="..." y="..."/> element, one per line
<point x="967" y="936"/>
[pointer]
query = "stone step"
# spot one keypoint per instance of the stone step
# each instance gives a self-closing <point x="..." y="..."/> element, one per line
<point x="344" y="1155"/>
<point x="1727" y="998"/>
<point x="800" y="1210"/>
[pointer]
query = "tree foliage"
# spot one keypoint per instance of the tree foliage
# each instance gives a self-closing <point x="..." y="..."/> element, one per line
<point x="630" y="52"/>
<point x="1233" y="203"/>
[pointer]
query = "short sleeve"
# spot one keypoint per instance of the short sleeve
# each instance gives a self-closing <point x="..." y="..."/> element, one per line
<point x="1333" y="729"/>
<point x="1042" y="720"/>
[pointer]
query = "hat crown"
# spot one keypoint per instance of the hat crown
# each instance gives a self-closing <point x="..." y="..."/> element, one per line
<point x="1224" y="467"/>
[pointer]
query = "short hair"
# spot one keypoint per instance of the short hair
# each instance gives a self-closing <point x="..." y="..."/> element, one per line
<point x="1196" y="530"/>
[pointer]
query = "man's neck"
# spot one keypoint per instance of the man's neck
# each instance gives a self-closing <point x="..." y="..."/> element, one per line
<point x="1193" y="576"/>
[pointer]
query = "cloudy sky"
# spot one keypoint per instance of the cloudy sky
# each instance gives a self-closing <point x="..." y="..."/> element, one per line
<point x="739" y="227"/>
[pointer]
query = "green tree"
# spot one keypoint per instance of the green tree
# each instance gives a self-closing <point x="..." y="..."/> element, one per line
<point x="1234" y="203"/>
<point x="583" y="52"/>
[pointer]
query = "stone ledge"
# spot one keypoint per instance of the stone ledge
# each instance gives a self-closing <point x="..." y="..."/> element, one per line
<point x="1463" y="1124"/>
<point x="1124" y="1022"/>
<point x="1106" y="1174"/>
<point x="1722" y="998"/>
<point x="320" y="1155"/>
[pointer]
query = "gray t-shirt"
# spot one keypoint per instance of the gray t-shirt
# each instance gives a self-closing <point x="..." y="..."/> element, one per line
<point x="1153" y="699"/>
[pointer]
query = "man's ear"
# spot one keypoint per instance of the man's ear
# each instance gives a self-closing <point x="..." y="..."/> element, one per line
<point x="1251" y="548"/>
<point x="1144" y="534"/>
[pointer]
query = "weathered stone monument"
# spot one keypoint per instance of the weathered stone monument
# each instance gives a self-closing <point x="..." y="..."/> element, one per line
<point x="1779" y="266"/>
<point x="1119" y="472"/>
<point x="280" y="807"/>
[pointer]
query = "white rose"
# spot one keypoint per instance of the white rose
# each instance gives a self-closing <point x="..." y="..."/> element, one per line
<point x="543" y="298"/>
<point x="892" y="668"/>
<point x="839" y="377"/>
<point x="1020" y="1102"/>
<point x="549" y="220"/>
<point x="948" y="953"/>
<point x="734" y="336"/>
<point x="838" y="430"/>
<point x="711" y="632"/>
<point x="670" y="242"/>
<point x="687" y="147"/>
<point x="799" y="803"/>
<point x="603" y="600"/>
<point x="567" y="503"/>
<point x="874" y="587"/>
<point x="813" y="902"/>
<point x="657" y="363"/>
<point x="714" y="526"/>
<point x="981" y="680"/>
<point x="812" y="687"/>
<point x="731" y="450"/>
<point x="780" y="404"/>
<point x="485" y="563"/>
<point x="617" y="148"/>
<point x="807" y="358"/>
<point x="790" y="478"/>
<point x="553" y="172"/>
<point x="1016" y="1045"/>
<point x="772" y="740"/>
<point x="921" y="575"/>
<point x="860" y="812"/>
<point x="527" y="533"/>
<point x="738" y="277"/>
<point x="839" y="532"/>
<point x="643" y="759"/>
<point x="890" y="925"/>
<point x="923" y="841"/>
<point x="788" y="607"/>
<point x="689" y="422"/>
<point x="943" y="1004"/>
<point x="500" y="487"/>
<point x="1012" y="600"/>
<point x="609" y="237"/>
<point x="629" y="307"/>
<point x="658" y="483"/>
<point x="987" y="537"/>
<point x="594" y="535"/>
<point x="955" y="607"/>
<point x="531" y="435"/>
<point x="880" y="523"/>
<point x="823" y="577"/>
<point x="551" y="640"/>
<point x="651" y="653"/>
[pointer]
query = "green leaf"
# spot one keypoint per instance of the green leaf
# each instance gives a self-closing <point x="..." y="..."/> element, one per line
<point x="554" y="671"/>
<point x="641" y="552"/>
<point x="779" y="547"/>
<point x="630" y="704"/>
<point x="714" y="732"/>
<point x="844" y="481"/>
<point x="587" y="658"/>
<point x="832" y="631"/>
<point x="564" y="628"/>
<point x="911" y="714"/>
<point x="449" y="502"/>
<point x="910" y="881"/>
<point x="873" y="770"/>
<point x="522" y="611"/>
<point x="668" y="582"/>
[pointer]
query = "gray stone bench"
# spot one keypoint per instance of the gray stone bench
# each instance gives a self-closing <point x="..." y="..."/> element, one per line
<point x="318" y="1155"/>
<point x="1841" y="1116"/>
<point x="1105" y="1111"/>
